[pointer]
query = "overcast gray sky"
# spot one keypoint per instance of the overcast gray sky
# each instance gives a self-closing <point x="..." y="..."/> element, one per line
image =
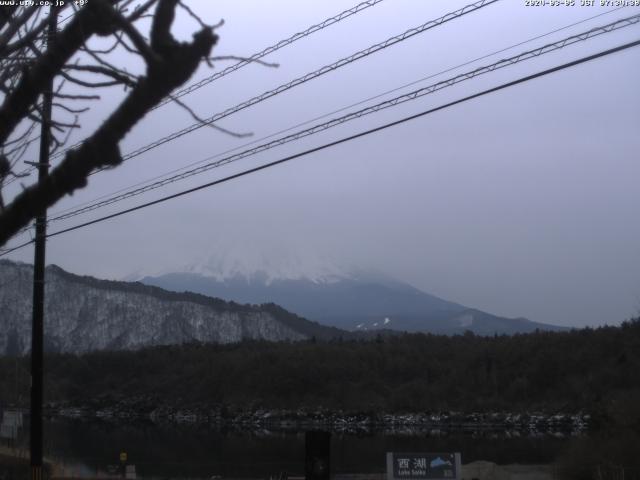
<point x="520" y="203"/>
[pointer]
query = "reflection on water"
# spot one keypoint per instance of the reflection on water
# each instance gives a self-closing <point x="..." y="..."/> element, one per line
<point x="199" y="451"/>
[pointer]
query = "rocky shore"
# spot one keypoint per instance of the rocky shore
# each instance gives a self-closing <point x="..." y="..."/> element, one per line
<point x="150" y="409"/>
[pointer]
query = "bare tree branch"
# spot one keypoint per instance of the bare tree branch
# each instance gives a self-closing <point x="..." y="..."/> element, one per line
<point x="191" y="13"/>
<point x="24" y="41"/>
<point x="89" y="20"/>
<point x="172" y="65"/>
<point x="14" y="26"/>
<point x="69" y="109"/>
<point x="76" y="97"/>
<point x="208" y="124"/>
<point x="137" y="39"/>
<point x="141" y="10"/>
<point x="86" y="84"/>
<point x="245" y="59"/>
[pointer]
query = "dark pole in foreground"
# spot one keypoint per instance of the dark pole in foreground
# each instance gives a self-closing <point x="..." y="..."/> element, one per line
<point x="317" y="465"/>
<point x="37" y="332"/>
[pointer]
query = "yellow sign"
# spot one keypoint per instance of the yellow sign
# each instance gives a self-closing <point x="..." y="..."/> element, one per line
<point x="123" y="457"/>
<point x="36" y="472"/>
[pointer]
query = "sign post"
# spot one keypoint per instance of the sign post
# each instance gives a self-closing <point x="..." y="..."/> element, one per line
<point x="123" y="463"/>
<point x="423" y="466"/>
<point x="317" y="456"/>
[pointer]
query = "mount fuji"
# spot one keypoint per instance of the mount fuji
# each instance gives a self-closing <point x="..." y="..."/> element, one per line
<point x="346" y="298"/>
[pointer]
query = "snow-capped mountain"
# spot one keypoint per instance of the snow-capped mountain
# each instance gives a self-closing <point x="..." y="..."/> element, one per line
<point x="345" y="298"/>
<point x="84" y="313"/>
<point x="278" y="265"/>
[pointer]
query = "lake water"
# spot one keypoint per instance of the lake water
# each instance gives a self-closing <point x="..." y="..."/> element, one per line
<point x="200" y="451"/>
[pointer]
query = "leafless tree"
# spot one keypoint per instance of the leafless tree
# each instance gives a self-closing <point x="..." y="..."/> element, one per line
<point x="29" y="61"/>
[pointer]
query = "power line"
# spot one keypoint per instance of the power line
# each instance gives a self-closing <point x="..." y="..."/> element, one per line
<point x="256" y="56"/>
<point x="244" y="62"/>
<point x="306" y="122"/>
<point x="346" y="139"/>
<point x="309" y="76"/>
<point x="7" y="251"/>
<point x="282" y="43"/>
<point x="315" y="74"/>
<point x="360" y="113"/>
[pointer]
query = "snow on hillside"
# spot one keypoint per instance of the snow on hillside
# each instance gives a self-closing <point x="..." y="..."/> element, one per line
<point x="271" y="263"/>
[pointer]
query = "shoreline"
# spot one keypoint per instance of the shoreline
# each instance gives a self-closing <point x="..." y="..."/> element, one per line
<point x="559" y="424"/>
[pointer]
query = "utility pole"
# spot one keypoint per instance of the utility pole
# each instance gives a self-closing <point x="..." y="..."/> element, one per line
<point x="37" y="332"/>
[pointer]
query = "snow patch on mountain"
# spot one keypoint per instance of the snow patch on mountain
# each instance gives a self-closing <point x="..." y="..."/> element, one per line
<point x="264" y="265"/>
<point x="466" y="320"/>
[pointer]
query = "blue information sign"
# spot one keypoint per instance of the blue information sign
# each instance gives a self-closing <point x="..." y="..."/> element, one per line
<point x="423" y="466"/>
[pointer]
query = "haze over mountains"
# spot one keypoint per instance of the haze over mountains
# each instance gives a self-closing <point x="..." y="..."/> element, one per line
<point x="227" y="301"/>
<point x="350" y="299"/>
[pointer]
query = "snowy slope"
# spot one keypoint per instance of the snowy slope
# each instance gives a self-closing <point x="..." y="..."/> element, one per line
<point x="83" y="313"/>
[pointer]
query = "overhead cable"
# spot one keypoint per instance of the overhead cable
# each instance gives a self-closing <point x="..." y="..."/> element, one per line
<point x="360" y="113"/>
<point x="342" y="140"/>
<point x="258" y="55"/>
<point x="306" y="78"/>
<point x="282" y="43"/>
<point x="334" y="112"/>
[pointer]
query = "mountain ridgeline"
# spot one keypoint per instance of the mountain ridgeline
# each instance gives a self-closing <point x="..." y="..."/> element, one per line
<point x="356" y="302"/>
<point x="84" y="314"/>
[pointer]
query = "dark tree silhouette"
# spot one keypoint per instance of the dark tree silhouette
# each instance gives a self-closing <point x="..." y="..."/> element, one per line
<point x="28" y="63"/>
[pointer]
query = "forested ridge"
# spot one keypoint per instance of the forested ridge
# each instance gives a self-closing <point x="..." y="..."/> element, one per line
<point x="552" y="371"/>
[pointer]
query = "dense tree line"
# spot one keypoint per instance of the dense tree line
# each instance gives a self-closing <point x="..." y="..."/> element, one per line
<point x="570" y="371"/>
